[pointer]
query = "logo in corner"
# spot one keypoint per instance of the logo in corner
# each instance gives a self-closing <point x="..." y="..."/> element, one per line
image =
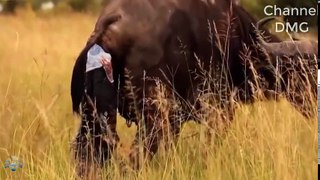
<point x="13" y="163"/>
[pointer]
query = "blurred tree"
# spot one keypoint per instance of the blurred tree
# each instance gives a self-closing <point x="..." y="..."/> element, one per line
<point x="10" y="6"/>
<point x="36" y="4"/>
<point x="87" y="5"/>
<point x="299" y="3"/>
<point x="105" y="2"/>
<point x="256" y="7"/>
<point x="79" y="5"/>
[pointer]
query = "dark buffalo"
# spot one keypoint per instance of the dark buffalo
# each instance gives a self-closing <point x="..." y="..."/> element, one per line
<point x="178" y="51"/>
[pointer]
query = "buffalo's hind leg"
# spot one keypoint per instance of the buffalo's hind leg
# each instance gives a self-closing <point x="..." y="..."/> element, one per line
<point x="156" y="124"/>
<point x="148" y="136"/>
<point x="97" y="137"/>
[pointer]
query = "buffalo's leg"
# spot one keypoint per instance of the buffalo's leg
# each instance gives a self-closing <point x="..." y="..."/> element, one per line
<point x="217" y="117"/>
<point x="218" y="126"/>
<point x="97" y="137"/>
<point x="146" y="144"/>
<point x="153" y="125"/>
<point x="149" y="133"/>
<point x="172" y="132"/>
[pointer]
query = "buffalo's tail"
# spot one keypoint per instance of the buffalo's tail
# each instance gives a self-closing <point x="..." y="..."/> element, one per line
<point x="78" y="80"/>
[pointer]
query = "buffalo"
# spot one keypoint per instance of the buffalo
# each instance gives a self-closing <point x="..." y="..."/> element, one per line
<point x="172" y="58"/>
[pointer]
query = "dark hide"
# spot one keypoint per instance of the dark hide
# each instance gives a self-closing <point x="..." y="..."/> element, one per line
<point x="173" y="42"/>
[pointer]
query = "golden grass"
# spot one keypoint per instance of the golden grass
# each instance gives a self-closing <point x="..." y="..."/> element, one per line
<point x="267" y="140"/>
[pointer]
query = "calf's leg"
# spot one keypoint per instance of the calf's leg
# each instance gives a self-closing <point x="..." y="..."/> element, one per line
<point x="97" y="136"/>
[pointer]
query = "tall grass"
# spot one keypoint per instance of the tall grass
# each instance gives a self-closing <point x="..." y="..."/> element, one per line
<point x="267" y="140"/>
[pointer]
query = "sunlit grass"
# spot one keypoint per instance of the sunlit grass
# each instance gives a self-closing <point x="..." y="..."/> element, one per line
<point x="267" y="140"/>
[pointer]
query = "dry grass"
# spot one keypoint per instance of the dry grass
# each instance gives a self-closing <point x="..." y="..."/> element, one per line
<point x="267" y="140"/>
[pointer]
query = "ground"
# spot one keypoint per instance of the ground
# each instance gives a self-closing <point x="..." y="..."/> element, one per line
<point x="267" y="140"/>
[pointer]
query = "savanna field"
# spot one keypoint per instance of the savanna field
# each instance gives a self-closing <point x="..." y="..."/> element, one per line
<point x="267" y="140"/>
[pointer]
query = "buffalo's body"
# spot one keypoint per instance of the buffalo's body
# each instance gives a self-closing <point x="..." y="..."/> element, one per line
<point x="172" y="42"/>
